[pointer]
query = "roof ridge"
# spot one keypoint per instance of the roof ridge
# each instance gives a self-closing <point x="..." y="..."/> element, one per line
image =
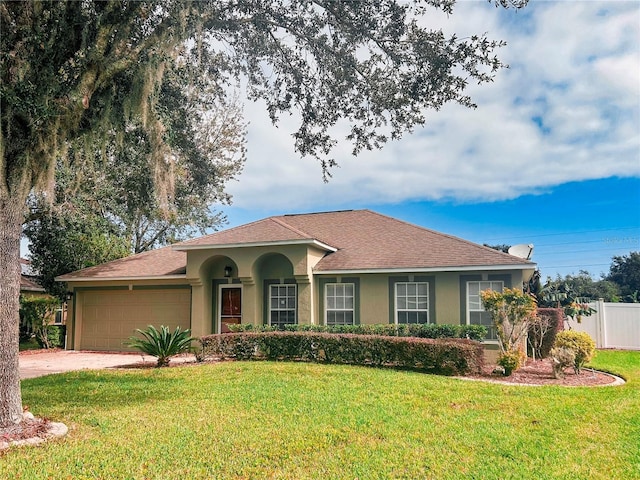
<point x="318" y="213"/>
<point x="237" y="227"/>
<point x="284" y="224"/>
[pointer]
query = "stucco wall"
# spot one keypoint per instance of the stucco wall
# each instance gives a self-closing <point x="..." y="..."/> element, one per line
<point x="375" y="293"/>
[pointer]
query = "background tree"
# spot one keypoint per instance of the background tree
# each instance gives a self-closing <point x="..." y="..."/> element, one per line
<point x="503" y="247"/>
<point x="64" y="240"/>
<point x="581" y="287"/>
<point x="108" y="208"/>
<point x="625" y="273"/>
<point x="75" y="70"/>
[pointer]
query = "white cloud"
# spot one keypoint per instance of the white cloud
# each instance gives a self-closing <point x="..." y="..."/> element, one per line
<point x="568" y="109"/>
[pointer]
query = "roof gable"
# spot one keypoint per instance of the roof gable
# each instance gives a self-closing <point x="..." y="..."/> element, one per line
<point x="267" y="230"/>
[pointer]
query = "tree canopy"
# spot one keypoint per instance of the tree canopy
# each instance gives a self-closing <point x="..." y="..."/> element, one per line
<point x="625" y="272"/>
<point x="78" y="73"/>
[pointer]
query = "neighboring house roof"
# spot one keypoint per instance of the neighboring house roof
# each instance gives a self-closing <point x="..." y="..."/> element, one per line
<point x="356" y="241"/>
<point x="28" y="282"/>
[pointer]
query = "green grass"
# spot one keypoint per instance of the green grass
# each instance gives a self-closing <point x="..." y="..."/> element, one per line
<point x="255" y="420"/>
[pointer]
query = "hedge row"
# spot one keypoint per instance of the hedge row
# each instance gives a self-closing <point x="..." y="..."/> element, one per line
<point x="428" y="330"/>
<point x="450" y="356"/>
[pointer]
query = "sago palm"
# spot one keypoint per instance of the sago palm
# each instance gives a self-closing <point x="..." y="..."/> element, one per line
<point x="162" y="344"/>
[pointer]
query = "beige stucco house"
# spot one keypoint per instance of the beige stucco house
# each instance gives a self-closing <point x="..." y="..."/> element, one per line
<point x="345" y="267"/>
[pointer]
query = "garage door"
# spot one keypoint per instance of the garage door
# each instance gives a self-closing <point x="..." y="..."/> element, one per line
<point x="110" y="317"/>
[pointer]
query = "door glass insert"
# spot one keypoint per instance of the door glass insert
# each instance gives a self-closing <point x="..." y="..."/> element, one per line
<point x="230" y="307"/>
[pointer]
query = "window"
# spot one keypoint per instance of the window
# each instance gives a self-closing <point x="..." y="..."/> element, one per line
<point x="282" y="305"/>
<point x="339" y="301"/>
<point x="476" y="314"/>
<point x="412" y="302"/>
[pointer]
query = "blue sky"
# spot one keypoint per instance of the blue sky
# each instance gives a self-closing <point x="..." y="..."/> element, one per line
<point x="551" y="156"/>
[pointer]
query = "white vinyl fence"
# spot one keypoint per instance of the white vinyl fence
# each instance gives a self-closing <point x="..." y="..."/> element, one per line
<point x="614" y="325"/>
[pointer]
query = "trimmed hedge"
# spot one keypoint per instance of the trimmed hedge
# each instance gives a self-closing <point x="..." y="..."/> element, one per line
<point x="428" y="330"/>
<point x="450" y="356"/>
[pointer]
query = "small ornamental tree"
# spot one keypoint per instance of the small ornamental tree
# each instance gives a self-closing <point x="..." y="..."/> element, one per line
<point x="35" y="316"/>
<point x="511" y="312"/>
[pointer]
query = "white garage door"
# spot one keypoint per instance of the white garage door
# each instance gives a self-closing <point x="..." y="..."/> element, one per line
<point x="110" y="317"/>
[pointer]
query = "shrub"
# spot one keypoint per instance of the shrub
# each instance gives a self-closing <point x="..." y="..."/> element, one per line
<point x="430" y="330"/>
<point x="562" y="358"/>
<point x="473" y="332"/>
<point x="162" y="344"/>
<point x="580" y="343"/>
<point x="542" y="331"/>
<point x="55" y="335"/>
<point x="510" y="361"/>
<point x="450" y="356"/>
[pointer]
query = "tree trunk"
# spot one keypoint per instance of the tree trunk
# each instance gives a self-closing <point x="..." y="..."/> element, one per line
<point x="11" y="215"/>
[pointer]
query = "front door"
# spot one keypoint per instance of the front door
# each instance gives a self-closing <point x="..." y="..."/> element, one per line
<point x="230" y="307"/>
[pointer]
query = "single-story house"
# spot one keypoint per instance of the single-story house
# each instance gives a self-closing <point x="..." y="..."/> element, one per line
<point x="333" y="268"/>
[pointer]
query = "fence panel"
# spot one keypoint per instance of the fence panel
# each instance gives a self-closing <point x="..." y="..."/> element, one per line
<point x="614" y="325"/>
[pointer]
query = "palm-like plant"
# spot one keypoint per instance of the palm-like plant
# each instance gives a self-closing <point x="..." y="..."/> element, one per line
<point x="162" y="344"/>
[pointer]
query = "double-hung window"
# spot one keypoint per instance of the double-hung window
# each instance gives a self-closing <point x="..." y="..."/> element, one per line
<point x="412" y="302"/>
<point x="476" y="314"/>
<point x="339" y="301"/>
<point x="282" y="305"/>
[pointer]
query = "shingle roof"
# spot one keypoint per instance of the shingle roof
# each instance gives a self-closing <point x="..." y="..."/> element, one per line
<point x="367" y="240"/>
<point x="268" y="230"/>
<point x="29" y="284"/>
<point x="364" y="240"/>
<point x="155" y="263"/>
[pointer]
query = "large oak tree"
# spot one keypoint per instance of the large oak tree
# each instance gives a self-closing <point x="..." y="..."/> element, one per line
<point x="74" y="70"/>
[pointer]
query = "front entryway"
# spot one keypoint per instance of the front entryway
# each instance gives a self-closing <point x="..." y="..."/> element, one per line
<point x="230" y="307"/>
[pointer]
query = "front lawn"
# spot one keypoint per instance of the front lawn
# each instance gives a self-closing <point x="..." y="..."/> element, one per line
<point x="293" y="420"/>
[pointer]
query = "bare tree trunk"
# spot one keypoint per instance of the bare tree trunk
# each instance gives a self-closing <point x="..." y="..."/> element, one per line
<point x="11" y="215"/>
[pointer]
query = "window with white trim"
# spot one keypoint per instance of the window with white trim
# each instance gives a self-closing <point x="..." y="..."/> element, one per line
<point x="412" y="302"/>
<point x="476" y="314"/>
<point x="339" y="303"/>
<point x="282" y="305"/>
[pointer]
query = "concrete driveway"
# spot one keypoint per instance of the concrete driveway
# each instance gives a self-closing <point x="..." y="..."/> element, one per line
<point x="38" y="364"/>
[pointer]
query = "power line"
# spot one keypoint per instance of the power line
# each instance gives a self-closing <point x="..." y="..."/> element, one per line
<point x="581" y="266"/>
<point x="571" y="232"/>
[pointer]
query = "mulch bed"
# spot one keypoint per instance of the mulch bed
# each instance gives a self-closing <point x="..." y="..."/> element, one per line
<point x="540" y="372"/>
<point x="29" y="428"/>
